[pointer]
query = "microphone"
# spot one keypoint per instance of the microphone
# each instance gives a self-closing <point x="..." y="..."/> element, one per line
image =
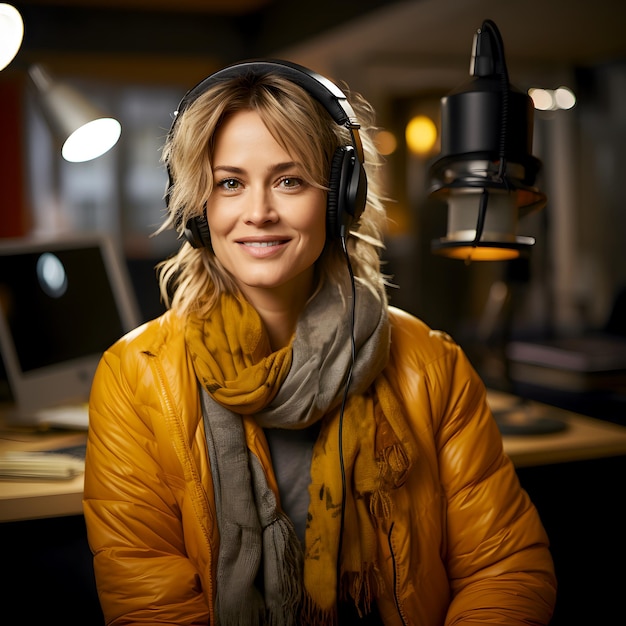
<point x="485" y="171"/>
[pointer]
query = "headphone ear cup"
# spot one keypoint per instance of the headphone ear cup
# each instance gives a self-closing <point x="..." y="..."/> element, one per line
<point x="347" y="191"/>
<point x="357" y="193"/>
<point x="334" y="207"/>
<point x="197" y="232"/>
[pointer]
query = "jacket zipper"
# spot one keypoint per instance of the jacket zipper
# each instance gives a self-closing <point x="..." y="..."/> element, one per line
<point x="395" y="576"/>
<point x="172" y="416"/>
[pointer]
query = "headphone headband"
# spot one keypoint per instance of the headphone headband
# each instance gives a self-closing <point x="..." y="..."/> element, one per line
<point x="319" y="87"/>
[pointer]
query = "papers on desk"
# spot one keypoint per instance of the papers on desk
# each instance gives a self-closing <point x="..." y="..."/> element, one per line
<point x="72" y="416"/>
<point x="31" y="453"/>
<point x="38" y="465"/>
<point x="66" y="416"/>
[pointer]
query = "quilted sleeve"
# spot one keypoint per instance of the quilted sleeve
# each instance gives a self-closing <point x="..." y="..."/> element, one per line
<point x="498" y="557"/>
<point x="132" y="502"/>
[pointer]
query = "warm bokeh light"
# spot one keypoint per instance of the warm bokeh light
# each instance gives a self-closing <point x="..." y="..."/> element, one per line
<point x="552" y="99"/>
<point x="542" y="99"/>
<point x="420" y="135"/>
<point x="564" y="98"/>
<point x="386" y="142"/>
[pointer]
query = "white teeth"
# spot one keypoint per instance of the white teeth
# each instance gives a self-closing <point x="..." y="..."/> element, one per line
<point x="261" y="244"/>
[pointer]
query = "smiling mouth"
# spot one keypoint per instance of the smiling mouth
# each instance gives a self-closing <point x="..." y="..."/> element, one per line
<point x="261" y="244"/>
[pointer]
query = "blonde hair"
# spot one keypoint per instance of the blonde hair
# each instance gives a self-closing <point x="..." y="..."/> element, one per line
<point x="193" y="278"/>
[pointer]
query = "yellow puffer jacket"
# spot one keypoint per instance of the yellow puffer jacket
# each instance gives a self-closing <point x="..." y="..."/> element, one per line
<point x="464" y="545"/>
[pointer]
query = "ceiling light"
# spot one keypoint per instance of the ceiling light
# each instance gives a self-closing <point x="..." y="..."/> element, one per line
<point x="11" y="33"/>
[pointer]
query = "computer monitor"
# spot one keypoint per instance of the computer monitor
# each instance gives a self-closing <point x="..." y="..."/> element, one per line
<point x="63" y="302"/>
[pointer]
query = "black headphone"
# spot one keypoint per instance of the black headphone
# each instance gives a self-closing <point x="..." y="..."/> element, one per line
<point x="347" y="179"/>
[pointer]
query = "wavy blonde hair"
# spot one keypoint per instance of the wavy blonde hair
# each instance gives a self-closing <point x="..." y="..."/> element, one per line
<point x="193" y="278"/>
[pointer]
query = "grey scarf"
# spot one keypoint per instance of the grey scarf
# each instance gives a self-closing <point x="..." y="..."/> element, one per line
<point x="260" y="561"/>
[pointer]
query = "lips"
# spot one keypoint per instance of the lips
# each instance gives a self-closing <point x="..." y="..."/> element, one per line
<point x="261" y="244"/>
<point x="263" y="248"/>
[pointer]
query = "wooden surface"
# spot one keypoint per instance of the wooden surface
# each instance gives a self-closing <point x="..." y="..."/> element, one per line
<point x="32" y="499"/>
<point x="583" y="438"/>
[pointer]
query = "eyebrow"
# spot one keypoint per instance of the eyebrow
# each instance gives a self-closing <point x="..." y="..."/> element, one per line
<point x="274" y="169"/>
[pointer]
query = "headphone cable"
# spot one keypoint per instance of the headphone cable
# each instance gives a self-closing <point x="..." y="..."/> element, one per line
<point x="344" y="247"/>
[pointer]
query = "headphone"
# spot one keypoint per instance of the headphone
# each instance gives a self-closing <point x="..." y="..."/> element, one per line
<point x="347" y="179"/>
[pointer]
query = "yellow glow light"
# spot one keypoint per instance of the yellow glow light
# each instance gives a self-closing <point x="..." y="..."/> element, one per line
<point x="420" y="135"/>
<point x="471" y="253"/>
<point x="386" y="142"/>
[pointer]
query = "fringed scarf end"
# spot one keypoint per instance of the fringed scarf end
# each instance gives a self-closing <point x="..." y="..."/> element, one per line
<point x="380" y="504"/>
<point x="283" y="603"/>
<point x="362" y="588"/>
<point x="312" y="614"/>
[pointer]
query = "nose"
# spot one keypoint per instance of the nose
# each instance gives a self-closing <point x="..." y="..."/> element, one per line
<point x="260" y="208"/>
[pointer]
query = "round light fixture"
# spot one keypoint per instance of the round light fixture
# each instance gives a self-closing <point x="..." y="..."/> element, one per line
<point x="11" y="33"/>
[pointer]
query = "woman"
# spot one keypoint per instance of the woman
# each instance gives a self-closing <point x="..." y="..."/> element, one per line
<point x="281" y="447"/>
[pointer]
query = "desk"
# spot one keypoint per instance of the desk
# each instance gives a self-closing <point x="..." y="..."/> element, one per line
<point x="26" y="499"/>
<point x="584" y="438"/>
<point x="32" y="499"/>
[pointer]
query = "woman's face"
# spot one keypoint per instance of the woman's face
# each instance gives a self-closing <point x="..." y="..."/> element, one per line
<point x="268" y="226"/>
